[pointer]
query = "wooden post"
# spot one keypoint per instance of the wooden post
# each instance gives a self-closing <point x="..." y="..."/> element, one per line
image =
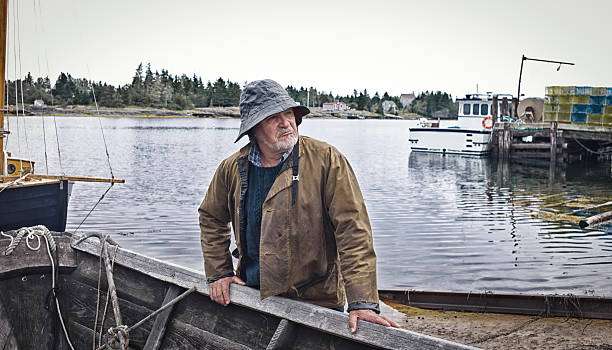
<point x="553" y="143"/>
<point x="494" y="109"/>
<point x="515" y="103"/>
<point x="561" y="138"/>
<point x="500" y="144"/>
<point x="507" y="140"/>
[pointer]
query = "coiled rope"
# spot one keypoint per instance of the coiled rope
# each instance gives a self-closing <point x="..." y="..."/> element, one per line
<point x="30" y="233"/>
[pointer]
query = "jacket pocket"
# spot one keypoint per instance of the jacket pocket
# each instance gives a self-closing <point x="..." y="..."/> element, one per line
<point x="302" y="287"/>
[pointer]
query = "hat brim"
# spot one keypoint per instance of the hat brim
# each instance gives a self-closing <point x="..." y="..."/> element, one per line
<point x="262" y="115"/>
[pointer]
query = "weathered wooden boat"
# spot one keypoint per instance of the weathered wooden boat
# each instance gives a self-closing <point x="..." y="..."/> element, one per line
<point x="575" y="306"/>
<point x="27" y="198"/>
<point x="155" y="305"/>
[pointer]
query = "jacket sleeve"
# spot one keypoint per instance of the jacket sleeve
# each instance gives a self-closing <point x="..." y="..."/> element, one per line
<point x="215" y="227"/>
<point x="353" y="233"/>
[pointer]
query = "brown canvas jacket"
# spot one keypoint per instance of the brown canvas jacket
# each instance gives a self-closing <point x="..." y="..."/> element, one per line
<point x="298" y="255"/>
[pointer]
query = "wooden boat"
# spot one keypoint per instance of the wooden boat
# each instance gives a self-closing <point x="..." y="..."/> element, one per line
<point x="139" y="286"/>
<point x="26" y="198"/>
<point x="518" y="304"/>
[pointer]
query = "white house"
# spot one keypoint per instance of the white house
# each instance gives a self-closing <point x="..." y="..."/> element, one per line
<point x="335" y="106"/>
<point x="406" y="99"/>
<point x="389" y="106"/>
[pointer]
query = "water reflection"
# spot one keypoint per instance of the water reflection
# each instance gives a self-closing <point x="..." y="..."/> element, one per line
<point x="482" y="230"/>
<point x="439" y="222"/>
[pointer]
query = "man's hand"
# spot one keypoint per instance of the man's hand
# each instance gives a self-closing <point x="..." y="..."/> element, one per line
<point x="370" y="316"/>
<point x="219" y="289"/>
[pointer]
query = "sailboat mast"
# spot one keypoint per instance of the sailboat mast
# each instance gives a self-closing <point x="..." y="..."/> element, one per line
<point x="3" y="29"/>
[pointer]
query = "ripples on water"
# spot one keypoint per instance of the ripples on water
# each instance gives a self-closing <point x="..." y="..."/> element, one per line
<point x="440" y="222"/>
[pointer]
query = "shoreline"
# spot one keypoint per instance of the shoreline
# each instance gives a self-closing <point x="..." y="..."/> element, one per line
<point x="208" y="112"/>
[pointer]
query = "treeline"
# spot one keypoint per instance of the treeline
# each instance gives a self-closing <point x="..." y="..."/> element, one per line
<point x="163" y="90"/>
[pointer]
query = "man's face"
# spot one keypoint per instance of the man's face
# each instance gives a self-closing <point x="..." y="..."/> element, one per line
<point x="278" y="132"/>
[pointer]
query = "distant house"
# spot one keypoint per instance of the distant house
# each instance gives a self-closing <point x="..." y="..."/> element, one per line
<point x="389" y="106"/>
<point x="406" y="99"/>
<point x="335" y="106"/>
<point x="39" y="103"/>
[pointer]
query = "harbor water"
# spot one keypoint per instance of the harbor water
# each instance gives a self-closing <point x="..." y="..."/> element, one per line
<point x="439" y="222"/>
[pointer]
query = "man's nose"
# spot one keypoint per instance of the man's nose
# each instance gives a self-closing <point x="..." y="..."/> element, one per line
<point x="284" y="122"/>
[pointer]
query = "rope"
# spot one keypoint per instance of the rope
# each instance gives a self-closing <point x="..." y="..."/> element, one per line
<point x="588" y="149"/>
<point x="59" y="152"/>
<point x="95" y="328"/>
<point x="59" y="312"/>
<point x="93" y="91"/>
<point x="15" y="182"/>
<point x="30" y="233"/>
<point x="35" y="232"/>
<point x="119" y="332"/>
<point x="95" y="205"/>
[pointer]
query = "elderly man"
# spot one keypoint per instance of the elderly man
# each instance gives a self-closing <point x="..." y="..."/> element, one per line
<point x="299" y="219"/>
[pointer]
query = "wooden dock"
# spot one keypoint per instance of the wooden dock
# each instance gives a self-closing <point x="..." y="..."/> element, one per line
<point x="554" y="144"/>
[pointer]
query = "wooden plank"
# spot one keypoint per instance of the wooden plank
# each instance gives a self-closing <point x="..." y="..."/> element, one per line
<point x="78" y="301"/>
<point x="156" y="336"/>
<point x="195" y="338"/>
<point x="7" y="336"/>
<point x="25" y="261"/>
<point x="233" y="322"/>
<point x="532" y="154"/>
<point x="283" y="337"/>
<point x="590" y="208"/>
<point x="77" y="178"/>
<point x="586" y="128"/>
<point x="24" y="300"/>
<point x="520" y="304"/>
<point x="596" y="219"/>
<point x="324" y="320"/>
<point x="145" y="292"/>
<point x="542" y="146"/>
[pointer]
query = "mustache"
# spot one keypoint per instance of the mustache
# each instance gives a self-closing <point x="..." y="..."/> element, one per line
<point x="282" y="131"/>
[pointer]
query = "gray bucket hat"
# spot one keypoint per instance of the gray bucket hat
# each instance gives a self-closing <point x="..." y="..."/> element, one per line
<point x="262" y="98"/>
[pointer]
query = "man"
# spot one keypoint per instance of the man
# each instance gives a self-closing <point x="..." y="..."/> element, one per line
<point x="299" y="219"/>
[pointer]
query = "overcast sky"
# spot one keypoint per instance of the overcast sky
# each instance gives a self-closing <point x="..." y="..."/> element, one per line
<point x="395" y="46"/>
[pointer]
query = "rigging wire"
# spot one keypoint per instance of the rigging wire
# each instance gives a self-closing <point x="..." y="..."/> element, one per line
<point x="59" y="152"/>
<point x="25" y="129"/>
<point x="6" y="86"/>
<point x="16" y="92"/>
<point x="36" y="35"/>
<point x="93" y="91"/>
<point x="107" y="156"/>
<point x="38" y="10"/>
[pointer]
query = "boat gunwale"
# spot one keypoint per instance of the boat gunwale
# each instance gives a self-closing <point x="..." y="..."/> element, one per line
<point x="301" y="313"/>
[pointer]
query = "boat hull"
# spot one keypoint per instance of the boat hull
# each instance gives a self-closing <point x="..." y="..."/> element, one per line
<point x="37" y="203"/>
<point x="195" y="322"/>
<point x="450" y="140"/>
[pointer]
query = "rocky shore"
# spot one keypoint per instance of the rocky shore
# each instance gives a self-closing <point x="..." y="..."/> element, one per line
<point x="209" y="112"/>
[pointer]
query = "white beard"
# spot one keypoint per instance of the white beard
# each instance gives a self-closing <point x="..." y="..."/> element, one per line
<point x="284" y="145"/>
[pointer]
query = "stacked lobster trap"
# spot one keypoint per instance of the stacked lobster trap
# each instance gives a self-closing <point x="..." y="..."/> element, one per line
<point x="582" y="105"/>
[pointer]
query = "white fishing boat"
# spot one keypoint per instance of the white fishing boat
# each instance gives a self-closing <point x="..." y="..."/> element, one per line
<point x="469" y="134"/>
